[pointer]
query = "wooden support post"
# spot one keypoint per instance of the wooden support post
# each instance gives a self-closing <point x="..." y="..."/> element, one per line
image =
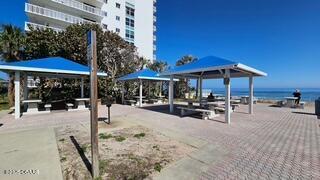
<point x="17" y="95"/>
<point x="122" y="92"/>
<point x="92" y="57"/>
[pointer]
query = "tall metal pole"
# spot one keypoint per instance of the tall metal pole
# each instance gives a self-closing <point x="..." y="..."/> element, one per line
<point x="92" y="56"/>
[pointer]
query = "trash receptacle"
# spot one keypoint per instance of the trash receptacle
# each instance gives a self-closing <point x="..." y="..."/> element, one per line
<point x="317" y="107"/>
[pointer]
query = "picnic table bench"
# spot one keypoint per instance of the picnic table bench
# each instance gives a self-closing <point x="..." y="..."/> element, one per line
<point x="206" y="113"/>
<point x="131" y="102"/>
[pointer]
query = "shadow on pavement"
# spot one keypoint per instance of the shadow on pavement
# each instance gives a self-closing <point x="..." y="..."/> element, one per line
<point x="81" y="153"/>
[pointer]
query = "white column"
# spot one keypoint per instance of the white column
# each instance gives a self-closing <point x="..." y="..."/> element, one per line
<point x="140" y="94"/>
<point x="160" y="93"/>
<point x="250" y="95"/>
<point x="227" y="99"/>
<point x="122" y="92"/>
<point x="171" y="94"/>
<point x="17" y="95"/>
<point x="82" y="86"/>
<point x="200" y="89"/>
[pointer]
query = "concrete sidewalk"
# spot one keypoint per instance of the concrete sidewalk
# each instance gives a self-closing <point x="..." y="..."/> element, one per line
<point x="30" y="155"/>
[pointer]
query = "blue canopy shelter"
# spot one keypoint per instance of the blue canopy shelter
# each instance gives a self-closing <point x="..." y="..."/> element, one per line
<point x="212" y="67"/>
<point x="144" y="74"/>
<point x="47" y="67"/>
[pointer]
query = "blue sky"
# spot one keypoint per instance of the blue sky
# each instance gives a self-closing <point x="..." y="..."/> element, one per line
<point x="280" y="37"/>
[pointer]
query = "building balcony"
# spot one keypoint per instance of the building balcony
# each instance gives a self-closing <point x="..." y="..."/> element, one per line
<point x="29" y="25"/>
<point x="154" y="38"/>
<point x="97" y="3"/>
<point x="154" y="48"/>
<point x="72" y="7"/>
<point x="154" y="28"/>
<point x="154" y="1"/>
<point x="154" y="9"/>
<point x="45" y="14"/>
<point x="154" y="18"/>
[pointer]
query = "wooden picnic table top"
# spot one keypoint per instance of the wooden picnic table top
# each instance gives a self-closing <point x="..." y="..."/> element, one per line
<point x="82" y="99"/>
<point x="291" y="98"/>
<point x="32" y="101"/>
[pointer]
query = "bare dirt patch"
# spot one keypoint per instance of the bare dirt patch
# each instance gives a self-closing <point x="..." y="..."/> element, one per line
<point x="131" y="153"/>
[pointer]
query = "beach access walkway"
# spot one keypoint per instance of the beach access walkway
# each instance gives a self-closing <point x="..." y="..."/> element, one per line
<point x="273" y="143"/>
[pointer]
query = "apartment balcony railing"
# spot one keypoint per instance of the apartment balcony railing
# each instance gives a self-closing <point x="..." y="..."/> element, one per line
<point x="54" y="14"/>
<point x="154" y="9"/>
<point x="154" y="18"/>
<point x="154" y="28"/>
<point x="154" y="38"/>
<point x="39" y="26"/>
<point x="80" y="6"/>
<point x="154" y="47"/>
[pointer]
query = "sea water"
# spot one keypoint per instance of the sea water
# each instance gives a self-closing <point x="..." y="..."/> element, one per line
<point x="308" y="94"/>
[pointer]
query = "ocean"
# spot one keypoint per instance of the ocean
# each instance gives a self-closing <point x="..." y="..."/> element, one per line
<point x="308" y="94"/>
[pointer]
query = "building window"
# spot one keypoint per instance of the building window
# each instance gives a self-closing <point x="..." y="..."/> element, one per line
<point x="105" y="13"/>
<point x="129" y="34"/>
<point x="118" y="5"/>
<point x="130" y="23"/>
<point x="129" y="11"/>
<point x="105" y="26"/>
<point x="117" y="30"/>
<point x="118" y="18"/>
<point x="106" y="1"/>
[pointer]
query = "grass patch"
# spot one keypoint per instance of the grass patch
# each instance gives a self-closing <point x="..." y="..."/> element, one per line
<point x="156" y="147"/>
<point x="140" y="135"/>
<point x="85" y="147"/>
<point x="103" y="166"/>
<point x="105" y="136"/>
<point x="157" y="167"/>
<point x="62" y="159"/>
<point x="119" y="138"/>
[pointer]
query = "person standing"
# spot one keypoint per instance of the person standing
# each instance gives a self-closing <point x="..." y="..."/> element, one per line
<point x="297" y="94"/>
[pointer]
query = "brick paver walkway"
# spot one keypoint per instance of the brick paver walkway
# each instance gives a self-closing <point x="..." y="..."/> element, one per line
<point x="274" y="143"/>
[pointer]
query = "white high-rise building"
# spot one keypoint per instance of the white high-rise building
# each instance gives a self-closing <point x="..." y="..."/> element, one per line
<point x="133" y="20"/>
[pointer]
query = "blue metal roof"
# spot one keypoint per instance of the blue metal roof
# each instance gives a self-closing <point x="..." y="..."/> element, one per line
<point x="211" y="65"/>
<point x="146" y="74"/>
<point x="56" y="65"/>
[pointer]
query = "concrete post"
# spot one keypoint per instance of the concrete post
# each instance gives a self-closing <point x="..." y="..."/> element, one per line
<point x="82" y="87"/>
<point x="200" y="89"/>
<point x="140" y="94"/>
<point x="227" y="99"/>
<point x="171" y="94"/>
<point x="17" y="95"/>
<point x="250" y="95"/>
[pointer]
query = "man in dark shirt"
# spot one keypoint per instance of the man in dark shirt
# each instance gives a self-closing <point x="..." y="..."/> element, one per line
<point x="297" y="94"/>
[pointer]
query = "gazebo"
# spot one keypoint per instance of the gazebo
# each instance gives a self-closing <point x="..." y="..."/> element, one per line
<point x="142" y="75"/>
<point x="46" y="67"/>
<point x="212" y="67"/>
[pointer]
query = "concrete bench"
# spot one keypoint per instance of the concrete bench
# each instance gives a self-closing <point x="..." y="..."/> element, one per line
<point x="206" y="114"/>
<point x="48" y="107"/>
<point x="69" y="106"/>
<point x="131" y="102"/>
<point x="301" y="105"/>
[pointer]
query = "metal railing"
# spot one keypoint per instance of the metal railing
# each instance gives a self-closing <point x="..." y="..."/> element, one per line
<point x="80" y="6"/>
<point x="39" y="26"/>
<point x="54" y="14"/>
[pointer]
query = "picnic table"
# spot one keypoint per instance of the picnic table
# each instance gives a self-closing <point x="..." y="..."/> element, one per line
<point x="32" y="105"/>
<point x="81" y="102"/>
<point x="291" y="101"/>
